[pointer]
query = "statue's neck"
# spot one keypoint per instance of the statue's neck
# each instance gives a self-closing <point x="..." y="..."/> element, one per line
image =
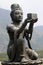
<point x="16" y="25"/>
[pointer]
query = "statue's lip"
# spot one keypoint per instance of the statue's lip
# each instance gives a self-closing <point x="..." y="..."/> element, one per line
<point x="20" y="18"/>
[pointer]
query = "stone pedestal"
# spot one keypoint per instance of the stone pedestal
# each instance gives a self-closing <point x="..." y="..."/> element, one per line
<point x="30" y="62"/>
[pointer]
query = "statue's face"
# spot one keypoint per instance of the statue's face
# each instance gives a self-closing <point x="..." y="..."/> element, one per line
<point x="18" y="15"/>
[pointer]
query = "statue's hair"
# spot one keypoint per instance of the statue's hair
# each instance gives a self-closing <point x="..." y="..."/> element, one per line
<point x="15" y="7"/>
<point x="11" y="14"/>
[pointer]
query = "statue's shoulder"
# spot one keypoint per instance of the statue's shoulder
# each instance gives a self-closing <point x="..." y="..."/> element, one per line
<point x="10" y="25"/>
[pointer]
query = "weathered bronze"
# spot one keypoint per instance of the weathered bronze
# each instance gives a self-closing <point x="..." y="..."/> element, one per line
<point x="18" y="50"/>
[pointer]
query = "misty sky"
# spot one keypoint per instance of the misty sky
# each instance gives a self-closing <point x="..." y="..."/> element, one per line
<point x="28" y="6"/>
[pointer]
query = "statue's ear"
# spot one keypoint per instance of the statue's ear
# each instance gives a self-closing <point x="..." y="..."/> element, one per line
<point x="11" y="14"/>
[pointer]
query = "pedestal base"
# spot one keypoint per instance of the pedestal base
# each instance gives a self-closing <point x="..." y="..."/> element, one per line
<point x="30" y="62"/>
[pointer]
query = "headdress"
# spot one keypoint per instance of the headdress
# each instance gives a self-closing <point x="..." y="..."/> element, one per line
<point x="15" y="7"/>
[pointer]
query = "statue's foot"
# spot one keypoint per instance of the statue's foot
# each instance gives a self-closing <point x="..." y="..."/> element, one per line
<point x="24" y="59"/>
<point x="32" y="54"/>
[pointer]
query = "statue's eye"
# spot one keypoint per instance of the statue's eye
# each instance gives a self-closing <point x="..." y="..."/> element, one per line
<point x="21" y="13"/>
<point x="16" y="12"/>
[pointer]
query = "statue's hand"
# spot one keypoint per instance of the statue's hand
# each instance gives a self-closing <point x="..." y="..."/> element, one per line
<point x="28" y="20"/>
<point x="34" y="20"/>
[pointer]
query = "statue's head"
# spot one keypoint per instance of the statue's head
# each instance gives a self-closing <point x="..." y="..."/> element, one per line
<point x="16" y="13"/>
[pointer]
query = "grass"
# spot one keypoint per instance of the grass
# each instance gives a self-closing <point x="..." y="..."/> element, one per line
<point x="3" y="56"/>
<point x="40" y="53"/>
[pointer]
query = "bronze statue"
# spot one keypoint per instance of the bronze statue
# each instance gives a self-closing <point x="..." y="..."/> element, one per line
<point x="17" y="50"/>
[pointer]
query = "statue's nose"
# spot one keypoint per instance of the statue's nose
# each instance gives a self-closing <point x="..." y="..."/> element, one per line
<point x="20" y="15"/>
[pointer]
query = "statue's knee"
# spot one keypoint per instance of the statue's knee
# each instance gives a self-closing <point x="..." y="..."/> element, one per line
<point x="20" y="41"/>
<point x="20" y="45"/>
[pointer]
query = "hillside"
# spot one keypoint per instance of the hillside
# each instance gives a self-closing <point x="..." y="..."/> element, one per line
<point x="4" y="17"/>
<point x="4" y="20"/>
<point x="37" y="38"/>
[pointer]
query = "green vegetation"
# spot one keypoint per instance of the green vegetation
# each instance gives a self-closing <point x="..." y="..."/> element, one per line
<point x="40" y="53"/>
<point x="3" y="56"/>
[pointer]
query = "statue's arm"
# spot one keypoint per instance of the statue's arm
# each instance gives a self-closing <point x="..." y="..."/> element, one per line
<point x="23" y="26"/>
<point x="10" y="27"/>
<point x="28" y="32"/>
<point x="30" y="29"/>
